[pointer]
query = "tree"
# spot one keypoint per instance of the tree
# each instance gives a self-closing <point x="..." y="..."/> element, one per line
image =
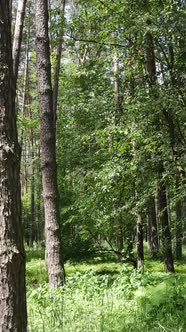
<point x="53" y="253"/>
<point x="18" y="35"/>
<point x="163" y="205"/>
<point x="12" y="257"/>
<point x="58" y="63"/>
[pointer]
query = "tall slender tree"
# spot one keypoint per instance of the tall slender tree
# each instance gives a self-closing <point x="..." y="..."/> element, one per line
<point x="53" y="254"/>
<point x="12" y="257"/>
<point x="18" y="35"/>
<point x="58" y="62"/>
<point x="163" y="206"/>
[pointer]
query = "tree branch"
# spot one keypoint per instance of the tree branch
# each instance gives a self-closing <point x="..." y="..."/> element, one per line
<point x="93" y="41"/>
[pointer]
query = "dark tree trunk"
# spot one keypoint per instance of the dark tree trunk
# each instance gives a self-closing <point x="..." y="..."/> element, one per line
<point x="150" y="58"/>
<point x="119" y="238"/>
<point x="152" y="228"/>
<point x="32" y="205"/>
<point x="179" y="230"/>
<point x="184" y="218"/>
<point x="164" y="221"/>
<point x="139" y="241"/>
<point x="53" y="254"/>
<point x="179" y="223"/>
<point x="166" y="234"/>
<point x="12" y="257"/>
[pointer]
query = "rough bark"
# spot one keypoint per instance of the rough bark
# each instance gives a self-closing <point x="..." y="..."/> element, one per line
<point x="12" y="257"/>
<point x="53" y="254"/>
<point x="18" y="36"/>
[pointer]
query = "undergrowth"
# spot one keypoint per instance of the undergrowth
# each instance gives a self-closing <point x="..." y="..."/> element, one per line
<point x="128" y="301"/>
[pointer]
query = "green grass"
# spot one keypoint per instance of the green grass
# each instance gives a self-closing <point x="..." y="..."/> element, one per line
<point x="104" y="296"/>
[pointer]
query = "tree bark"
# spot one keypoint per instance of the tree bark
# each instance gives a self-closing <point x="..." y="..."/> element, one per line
<point x="18" y="36"/>
<point x="12" y="257"/>
<point x="53" y="254"/>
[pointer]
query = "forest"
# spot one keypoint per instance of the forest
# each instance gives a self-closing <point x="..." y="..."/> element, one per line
<point x="92" y="166"/>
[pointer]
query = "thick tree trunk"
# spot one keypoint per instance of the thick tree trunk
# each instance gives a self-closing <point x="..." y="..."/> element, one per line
<point x="152" y="228"/>
<point x="53" y="254"/>
<point x="12" y="256"/>
<point x="18" y="36"/>
<point x="139" y="241"/>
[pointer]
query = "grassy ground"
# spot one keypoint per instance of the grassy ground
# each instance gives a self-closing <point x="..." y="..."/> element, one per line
<point x="107" y="296"/>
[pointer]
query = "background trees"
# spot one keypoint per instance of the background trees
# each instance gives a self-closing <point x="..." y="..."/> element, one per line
<point x="120" y="128"/>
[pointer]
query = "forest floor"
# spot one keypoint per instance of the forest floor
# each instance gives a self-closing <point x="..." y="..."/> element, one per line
<point x="102" y="295"/>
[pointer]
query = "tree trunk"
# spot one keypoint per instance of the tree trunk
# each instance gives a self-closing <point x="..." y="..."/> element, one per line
<point x="12" y="257"/>
<point x="150" y="58"/>
<point x="152" y="228"/>
<point x="58" y="63"/>
<point x="166" y="234"/>
<point x="18" y="36"/>
<point x="184" y="218"/>
<point x="53" y="254"/>
<point x="179" y="222"/>
<point x="119" y="238"/>
<point x="164" y="220"/>
<point x="32" y="205"/>
<point x="139" y="241"/>
<point x="117" y="93"/>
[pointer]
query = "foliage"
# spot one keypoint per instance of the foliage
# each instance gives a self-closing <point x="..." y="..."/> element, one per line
<point x="132" y="301"/>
